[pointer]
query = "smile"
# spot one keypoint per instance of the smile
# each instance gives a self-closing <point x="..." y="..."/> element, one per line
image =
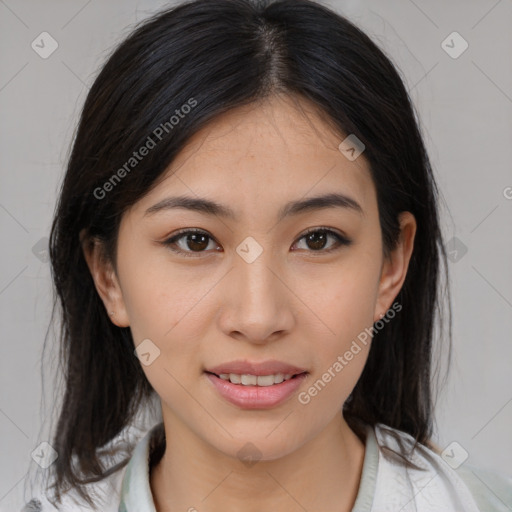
<point x="255" y="380"/>
<point x="249" y="391"/>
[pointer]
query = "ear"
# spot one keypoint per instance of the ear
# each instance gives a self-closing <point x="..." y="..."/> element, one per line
<point x="394" y="268"/>
<point x="105" y="280"/>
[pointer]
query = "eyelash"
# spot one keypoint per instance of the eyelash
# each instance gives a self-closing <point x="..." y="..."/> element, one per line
<point x="342" y="241"/>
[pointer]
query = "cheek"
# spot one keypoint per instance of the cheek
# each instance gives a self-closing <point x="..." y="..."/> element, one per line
<point x="342" y="298"/>
<point x="346" y="308"/>
<point x="168" y="306"/>
<point x="168" y="313"/>
<point x="352" y="306"/>
<point x="160" y="296"/>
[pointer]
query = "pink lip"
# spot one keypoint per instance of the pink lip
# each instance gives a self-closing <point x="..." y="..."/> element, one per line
<point x="256" y="397"/>
<point x="270" y="367"/>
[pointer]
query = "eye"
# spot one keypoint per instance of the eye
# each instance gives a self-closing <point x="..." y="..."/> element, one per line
<point x="196" y="240"/>
<point x="190" y="241"/>
<point x="316" y="239"/>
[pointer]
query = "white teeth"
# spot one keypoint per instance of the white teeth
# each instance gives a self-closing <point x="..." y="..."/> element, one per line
<point x="249" y="380"/>
<point x="265" y="380"/>
<point x="255" y="380"/>
<point x="279" y="377"/>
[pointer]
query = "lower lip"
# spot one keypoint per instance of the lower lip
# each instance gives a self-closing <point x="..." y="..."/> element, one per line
<point x="256" y="397"/>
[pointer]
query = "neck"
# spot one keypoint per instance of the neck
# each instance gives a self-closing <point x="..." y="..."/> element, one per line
<point x="322" y="474"/>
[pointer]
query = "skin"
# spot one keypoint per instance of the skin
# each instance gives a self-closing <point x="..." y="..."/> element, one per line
<point x="292" y="304"/>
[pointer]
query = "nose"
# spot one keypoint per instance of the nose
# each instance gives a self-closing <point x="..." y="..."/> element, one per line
<point x="257" y="305"/>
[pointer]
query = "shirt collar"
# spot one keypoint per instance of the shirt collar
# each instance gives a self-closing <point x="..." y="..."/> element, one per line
<point x="136" y="493"/>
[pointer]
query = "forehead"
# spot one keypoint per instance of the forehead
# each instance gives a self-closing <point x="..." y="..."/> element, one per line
<point x="271" y="151"/>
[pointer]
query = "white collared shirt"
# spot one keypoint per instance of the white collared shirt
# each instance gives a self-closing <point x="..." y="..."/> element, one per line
<point x="386" y="485"/>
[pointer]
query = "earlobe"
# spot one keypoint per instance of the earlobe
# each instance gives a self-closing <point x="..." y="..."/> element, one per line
<point x="105" y="280"/>
<point x="394" y="268"/>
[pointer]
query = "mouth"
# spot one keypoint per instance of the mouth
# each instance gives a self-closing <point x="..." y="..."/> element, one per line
<point x="248" y="391"/>
<point x="248" y="379"/>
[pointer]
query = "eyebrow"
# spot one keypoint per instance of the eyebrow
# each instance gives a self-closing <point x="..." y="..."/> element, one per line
<point x="210" y="207"/>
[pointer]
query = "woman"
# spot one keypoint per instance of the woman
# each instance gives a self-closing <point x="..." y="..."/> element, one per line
<point x="248" y="232"/>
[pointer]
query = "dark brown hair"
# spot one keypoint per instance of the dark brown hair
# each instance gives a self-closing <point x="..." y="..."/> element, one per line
<point x="223" y="54"/>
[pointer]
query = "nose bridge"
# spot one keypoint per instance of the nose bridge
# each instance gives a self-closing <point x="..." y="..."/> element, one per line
<point x="257" y="299"/>
<point x="255" y="272"/>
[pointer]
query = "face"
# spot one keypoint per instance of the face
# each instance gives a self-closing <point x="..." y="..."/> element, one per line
<point x="268" y="282"/>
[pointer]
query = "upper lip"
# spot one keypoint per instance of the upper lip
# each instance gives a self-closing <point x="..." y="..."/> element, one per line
<point x="270" y="367"/>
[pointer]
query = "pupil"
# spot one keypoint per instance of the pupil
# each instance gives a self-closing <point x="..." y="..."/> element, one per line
<point x="193" y="239"/>
<point x="318" y="244"/>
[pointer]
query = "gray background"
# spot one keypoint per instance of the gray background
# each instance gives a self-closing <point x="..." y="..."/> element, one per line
<point x="465" y="107"/>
